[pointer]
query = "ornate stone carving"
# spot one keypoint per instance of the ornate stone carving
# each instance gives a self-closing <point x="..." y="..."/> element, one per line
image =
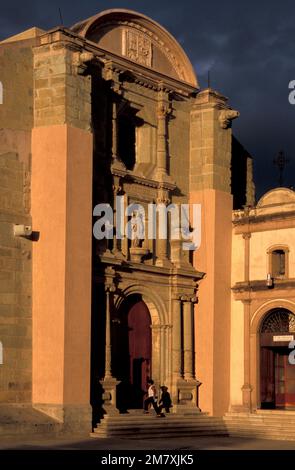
<point x="163" y="196"/>
<point x="137" y="46"/>
<point x="279" y="320"/>
<point x="226" y="116"/>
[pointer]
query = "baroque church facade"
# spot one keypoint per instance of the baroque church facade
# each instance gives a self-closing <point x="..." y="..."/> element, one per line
<point x="112" y="107"/>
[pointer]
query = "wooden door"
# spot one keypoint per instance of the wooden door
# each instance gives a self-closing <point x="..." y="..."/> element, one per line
<point x="139" y="327"/>
<point x="284" y="380"/>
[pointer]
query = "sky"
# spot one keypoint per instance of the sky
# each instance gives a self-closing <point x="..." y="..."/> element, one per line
<point x="248" y="46"/>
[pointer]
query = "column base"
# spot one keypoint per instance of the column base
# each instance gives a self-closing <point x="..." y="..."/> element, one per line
<point x="187" y="394"/>
<point x="238" y="409"/>
<point x="137" y="254"/>
<point x="163" y="263"/>
<point x="109" y="396"/>
<point x="247" y="402"/>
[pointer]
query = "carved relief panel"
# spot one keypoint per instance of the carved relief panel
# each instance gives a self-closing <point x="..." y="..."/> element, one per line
<point x="137" y="46"/>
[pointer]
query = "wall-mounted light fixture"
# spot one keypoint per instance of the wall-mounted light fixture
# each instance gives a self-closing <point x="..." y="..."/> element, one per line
<point x="20" y="230"/>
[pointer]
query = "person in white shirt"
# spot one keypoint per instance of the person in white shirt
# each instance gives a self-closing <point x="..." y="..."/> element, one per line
<point x="151" y="398"/>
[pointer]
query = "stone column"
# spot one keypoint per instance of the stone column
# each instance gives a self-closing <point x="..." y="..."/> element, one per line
<point x="176" y="339"/>
<point x="188" y="340"/>
<point x="114" y="131"/>
<point x="187" y="385"/>
<point x="162" y="138"/>
<point x="162" y="243"/>
<point x="247" y="388"/>
<point x="247" y="237"/>
<point x="109" y="383"/>
<point x="108" y="344"/>
<point x="117" y="191"/>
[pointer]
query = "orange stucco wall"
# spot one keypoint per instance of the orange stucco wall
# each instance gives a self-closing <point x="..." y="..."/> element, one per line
<point x="62" y="214"/>
<point x="212" y="313"/>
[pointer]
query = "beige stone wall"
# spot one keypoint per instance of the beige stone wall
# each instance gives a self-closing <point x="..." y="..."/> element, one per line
<point x="16" y="60"/>
<point x="210" y="143"/>
<point x="259" y="245"/>
<point x="236" y="353"/>
<point x="269" y="224"/>
<point x="15" y="284"/>
<point x="60" y="94"/>
<point x="16" y="118"/>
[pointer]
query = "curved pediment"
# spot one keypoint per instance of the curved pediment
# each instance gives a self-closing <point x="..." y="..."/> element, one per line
<point x="277" y="196"/>
<point x="139" y="39"/>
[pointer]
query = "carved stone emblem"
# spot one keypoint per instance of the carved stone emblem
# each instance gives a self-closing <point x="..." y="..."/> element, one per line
<point x="138" y="47"/>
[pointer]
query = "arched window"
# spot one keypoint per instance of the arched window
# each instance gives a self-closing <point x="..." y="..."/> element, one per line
<point x="278" y="261"/>
<point x="278" y="320"/>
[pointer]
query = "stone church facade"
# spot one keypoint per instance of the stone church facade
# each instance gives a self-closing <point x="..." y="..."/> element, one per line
<point x="112" y="107"/>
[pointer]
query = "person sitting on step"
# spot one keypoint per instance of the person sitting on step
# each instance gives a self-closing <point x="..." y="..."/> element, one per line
<point x="165" y="401"/>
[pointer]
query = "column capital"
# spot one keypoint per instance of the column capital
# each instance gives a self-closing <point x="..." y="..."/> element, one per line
<point x="163" y="110"/>
<point x="188" y="298"/>
<point x="160" y="327"/>
<point x="163" y="196"/>
<point x="246" y="235"/>
<point x="117" y="185"/>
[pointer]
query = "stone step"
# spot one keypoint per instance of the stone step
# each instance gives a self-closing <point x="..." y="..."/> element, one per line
<point x="262" y="424"/>
<point x="263" y="435"/>
<point x="139" y="428"/>
<point x="149" y="426"/>
<point x="290" y="424"/>
<point x="155" y="419"/>
<point x="183" y="432"/>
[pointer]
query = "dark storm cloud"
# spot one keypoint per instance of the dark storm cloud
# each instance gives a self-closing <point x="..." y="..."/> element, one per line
<point x="248" y="47"/>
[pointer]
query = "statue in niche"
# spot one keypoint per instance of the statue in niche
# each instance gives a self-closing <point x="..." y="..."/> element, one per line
<point x="137" y="229"/>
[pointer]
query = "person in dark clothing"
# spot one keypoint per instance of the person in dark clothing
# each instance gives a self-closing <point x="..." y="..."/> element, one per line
<point x="165" y="401"/>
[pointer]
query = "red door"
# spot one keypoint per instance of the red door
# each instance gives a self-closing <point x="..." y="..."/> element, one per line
<point x="139" y="338"/>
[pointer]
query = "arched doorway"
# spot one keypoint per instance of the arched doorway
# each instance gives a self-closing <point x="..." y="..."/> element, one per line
<point x="132" y="352"/>
<point x="277" y="375"/>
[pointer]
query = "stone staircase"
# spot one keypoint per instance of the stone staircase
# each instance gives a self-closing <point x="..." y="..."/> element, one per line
<point x="263" y="424"/>
<point x="136" y="425"/>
